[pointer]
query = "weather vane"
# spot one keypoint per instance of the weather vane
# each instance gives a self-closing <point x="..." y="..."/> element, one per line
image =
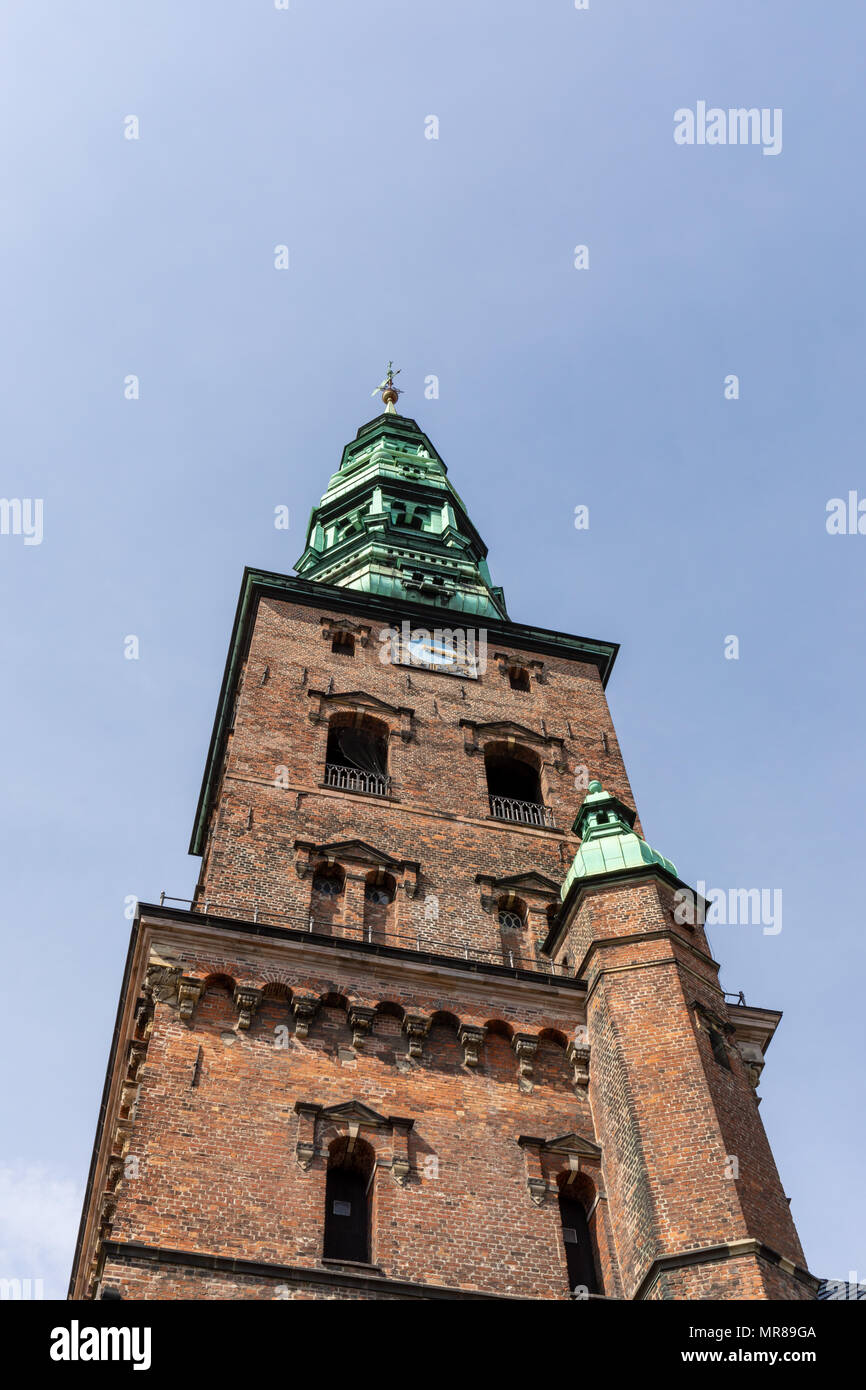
<point x="390" y="392"/>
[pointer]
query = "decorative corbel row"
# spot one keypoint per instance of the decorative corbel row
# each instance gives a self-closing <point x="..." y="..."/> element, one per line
<point x="471" y="1039"/>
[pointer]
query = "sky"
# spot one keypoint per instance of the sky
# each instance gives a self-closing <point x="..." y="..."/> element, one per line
<point x="604" y="384"/>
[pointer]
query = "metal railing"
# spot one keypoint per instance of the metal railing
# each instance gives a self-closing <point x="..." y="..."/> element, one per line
<point x="521" y="812"/>
<point x="352" y="779"/>
<point x="405" y="941"/>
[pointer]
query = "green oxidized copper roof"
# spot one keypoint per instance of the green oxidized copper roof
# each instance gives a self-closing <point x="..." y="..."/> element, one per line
<point x="608" y="841"/>
<point x="390" y="523"/>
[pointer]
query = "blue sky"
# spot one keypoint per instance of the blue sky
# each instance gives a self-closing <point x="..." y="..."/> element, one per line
<point x="558" y="387"/>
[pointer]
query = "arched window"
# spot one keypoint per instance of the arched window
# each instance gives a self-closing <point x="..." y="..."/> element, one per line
<point x="326" y="899"/>
<point x="348" y="1188"/>
<point x="579" y="1250"/>
<point x="518" y="678"/>
<point x="513" y="936"/>
<point x="514" y="786"/>
<point x="357" y="755"/>
<point x="379" y="892"/>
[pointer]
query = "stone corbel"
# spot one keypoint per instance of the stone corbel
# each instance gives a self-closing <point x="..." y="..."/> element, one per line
<point x="128" y="1096"/>
<point x="416" y="1027"/>
<point x="247" y="1001"/>
<point x="471" y="1038"/>
<point x="114" y="1172"/>
<point x="107" y="1211"/>
<point x="304" y="858"/>
<point x="578" y="1055"/>
<point x="121" y="1138"/>
<point x="305" y="1146"/>
<point x="400" y="1165"/>
<point x="409" y="878"/>
<point x="405" y="729"/>
<point x="753" y="1061"/>
<point x="189" y="991"/>
<point x="470" y="738"/>
<point x="360" y="1022"/>
<point x="305" y="1008"/>
<point x="525" y="1047"/>
<point x="135" y="1059"/>
<point x="536" y="1182"/>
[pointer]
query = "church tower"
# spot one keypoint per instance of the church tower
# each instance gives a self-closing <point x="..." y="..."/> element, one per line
<point x="435" y="1024"/>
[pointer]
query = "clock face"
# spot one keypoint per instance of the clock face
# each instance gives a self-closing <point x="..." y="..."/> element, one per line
<point x="438" y="653"/>
<point x="428" y="652"/>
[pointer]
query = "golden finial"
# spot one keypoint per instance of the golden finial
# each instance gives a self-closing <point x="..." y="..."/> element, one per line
<point x="389" y="391"/>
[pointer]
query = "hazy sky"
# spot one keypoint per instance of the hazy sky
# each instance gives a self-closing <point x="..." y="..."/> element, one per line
<point x="559" y="387"/>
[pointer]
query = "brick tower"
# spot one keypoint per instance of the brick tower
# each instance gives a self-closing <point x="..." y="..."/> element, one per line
<point x="422" y="1033"/>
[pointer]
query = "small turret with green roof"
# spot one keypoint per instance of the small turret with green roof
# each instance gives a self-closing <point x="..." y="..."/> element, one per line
<point x="609" y="844"/>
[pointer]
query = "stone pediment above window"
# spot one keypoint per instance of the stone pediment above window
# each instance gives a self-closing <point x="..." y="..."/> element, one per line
<point x="544" y="1155"/>
<point x="507" y="663"/>
<point x="353" y="1111"/>
<point x="358" y="854"/>
<point x="534" y="888"/>
<point x="352" y="1116"/>
<point x="515" y="735"/>
<point x="332" y="626"/>
<point x="568" y="1144"/>
<point x="327" y="702"/>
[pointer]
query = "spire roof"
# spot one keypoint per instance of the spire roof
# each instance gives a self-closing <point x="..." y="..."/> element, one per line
<point x="391" y="523"/>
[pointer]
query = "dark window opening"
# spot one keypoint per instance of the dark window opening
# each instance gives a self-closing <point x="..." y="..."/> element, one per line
<point x="348" y="1188"/>
<point x="343" y="643"/>
<point x="579" y="1254"/>
<point x="720" y="1051"/>
<point x="514" y="789"/>
<point x="518" y="678"/>
<point x="513" y="778"/>
<point x="357" y="757"/>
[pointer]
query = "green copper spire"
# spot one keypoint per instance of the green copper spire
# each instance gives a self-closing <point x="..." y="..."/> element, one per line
<point x="390" y="523"/>
<point x="609" y="842"/>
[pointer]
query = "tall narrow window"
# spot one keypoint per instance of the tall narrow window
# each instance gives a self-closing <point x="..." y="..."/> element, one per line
<point x="579" y="1254"/>
<point x="347" y="1202"/>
